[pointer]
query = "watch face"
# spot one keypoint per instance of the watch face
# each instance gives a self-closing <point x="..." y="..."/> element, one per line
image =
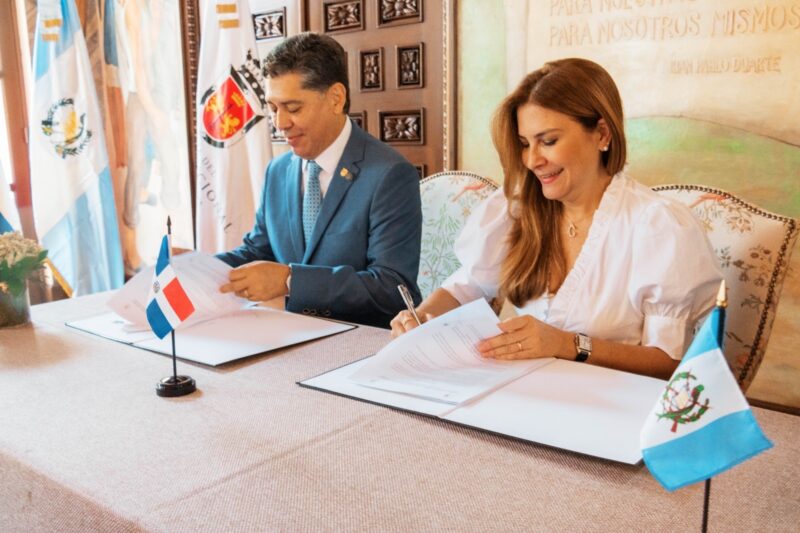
<point x="584" y="343"/>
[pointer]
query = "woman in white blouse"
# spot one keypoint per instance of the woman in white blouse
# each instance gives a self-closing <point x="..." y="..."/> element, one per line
<point x="600" y="268"/>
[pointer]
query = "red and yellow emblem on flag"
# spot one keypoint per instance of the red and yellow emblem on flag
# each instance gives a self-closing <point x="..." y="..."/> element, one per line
<point x="227" y="111"/>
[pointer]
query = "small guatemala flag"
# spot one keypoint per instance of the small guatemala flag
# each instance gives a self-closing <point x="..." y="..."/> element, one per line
<point x="701" y="424"/>
<point x="168" y="305"/>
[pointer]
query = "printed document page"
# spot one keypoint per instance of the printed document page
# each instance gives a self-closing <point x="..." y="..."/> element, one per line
<point x="200" y="274"/>
<point x="438" y="360"/>
<point x="223" y="327"/>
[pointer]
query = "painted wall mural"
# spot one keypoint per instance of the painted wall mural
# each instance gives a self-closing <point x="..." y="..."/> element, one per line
<point x="709" y="88"/>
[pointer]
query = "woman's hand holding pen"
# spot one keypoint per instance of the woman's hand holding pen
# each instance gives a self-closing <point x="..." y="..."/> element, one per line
<point x="438" y="303"/>
<point x="410" y="318"/>
<point x="405" y="321"/>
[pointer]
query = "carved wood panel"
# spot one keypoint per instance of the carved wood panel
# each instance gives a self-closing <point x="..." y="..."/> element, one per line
<point x="400" y="61"/>
<point x="402" y="127"/>
<point x="400" y="12"/>
<point x="410" y="66"/>
<point x="270" y="24"/>
<point x="370" y="70"/>
<point x="343" y="15"/>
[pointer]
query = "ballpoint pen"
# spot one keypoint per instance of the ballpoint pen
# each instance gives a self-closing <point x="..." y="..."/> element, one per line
<point x="409" y="302"/>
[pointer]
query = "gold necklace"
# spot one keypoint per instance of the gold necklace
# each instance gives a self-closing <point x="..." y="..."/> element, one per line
<point x="572" y="229"/>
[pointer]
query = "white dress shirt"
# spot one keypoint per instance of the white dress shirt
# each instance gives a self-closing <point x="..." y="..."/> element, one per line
<point x="645" y="275"/>
<point x="328" y="160"/>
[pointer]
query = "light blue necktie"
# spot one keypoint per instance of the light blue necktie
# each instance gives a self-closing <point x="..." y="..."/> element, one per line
<point x="312" y="200"/>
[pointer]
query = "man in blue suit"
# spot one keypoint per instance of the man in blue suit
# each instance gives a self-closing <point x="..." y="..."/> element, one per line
<point x="339" y="225"/>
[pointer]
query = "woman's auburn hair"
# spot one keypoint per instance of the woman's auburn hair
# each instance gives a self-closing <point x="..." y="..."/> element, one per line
<point x="584" y="91"/>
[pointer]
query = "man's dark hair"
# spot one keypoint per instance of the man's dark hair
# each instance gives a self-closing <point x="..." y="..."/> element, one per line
<point x="319" y="59"/>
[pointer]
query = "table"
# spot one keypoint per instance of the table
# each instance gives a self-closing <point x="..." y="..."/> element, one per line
<point x="85" y="445"/>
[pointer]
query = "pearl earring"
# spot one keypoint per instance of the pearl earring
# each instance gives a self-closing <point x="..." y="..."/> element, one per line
<point x="604" y="148"/>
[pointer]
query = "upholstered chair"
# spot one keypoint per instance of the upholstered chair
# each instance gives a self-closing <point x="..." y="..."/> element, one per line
<point x="753" y="247"/>
<point x="447" y="200"/>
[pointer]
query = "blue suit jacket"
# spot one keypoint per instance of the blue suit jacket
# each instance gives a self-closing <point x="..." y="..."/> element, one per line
<point x="366" y="240"/>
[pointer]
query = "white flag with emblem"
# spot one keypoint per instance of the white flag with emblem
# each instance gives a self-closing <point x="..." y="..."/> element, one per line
<point x="73" y="200"/>
<point x="233" y="145"/>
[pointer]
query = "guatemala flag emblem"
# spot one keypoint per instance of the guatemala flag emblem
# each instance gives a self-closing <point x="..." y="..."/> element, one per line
<point x="168" y="304"/>
<point x="701" y="424"/>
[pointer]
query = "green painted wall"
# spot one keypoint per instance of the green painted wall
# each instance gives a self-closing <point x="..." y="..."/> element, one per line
<point x="481" y="83"/>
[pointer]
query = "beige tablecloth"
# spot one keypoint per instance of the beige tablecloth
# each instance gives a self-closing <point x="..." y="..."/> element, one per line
<point x="85" y="444"/>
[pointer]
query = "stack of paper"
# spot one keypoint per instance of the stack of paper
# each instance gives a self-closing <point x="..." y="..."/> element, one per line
<point x="438" y="360"/>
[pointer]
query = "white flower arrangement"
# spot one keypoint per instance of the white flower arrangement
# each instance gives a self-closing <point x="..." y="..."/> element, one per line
<point x="18" y="258"/>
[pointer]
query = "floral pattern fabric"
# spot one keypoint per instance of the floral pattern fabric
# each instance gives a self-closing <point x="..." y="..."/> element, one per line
<point x="753" y="247"/>
<point x="447" y="201"/>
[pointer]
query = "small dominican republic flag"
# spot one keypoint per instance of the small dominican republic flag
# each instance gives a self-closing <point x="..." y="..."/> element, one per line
<point x="701" y="424"/>
<point x="168" y="305"/>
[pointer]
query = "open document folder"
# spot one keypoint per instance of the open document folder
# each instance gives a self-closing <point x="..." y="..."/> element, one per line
<point x="437" y="372"/>
<point x="223" y="327"/>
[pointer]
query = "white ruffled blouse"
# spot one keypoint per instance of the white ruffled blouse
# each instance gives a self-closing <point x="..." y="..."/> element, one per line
<point x="645" y="275"/>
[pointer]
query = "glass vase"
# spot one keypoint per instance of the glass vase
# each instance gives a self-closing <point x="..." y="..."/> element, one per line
<point x="15" y="310"/>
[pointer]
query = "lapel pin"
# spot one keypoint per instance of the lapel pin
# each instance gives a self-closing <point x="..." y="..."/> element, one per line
<point x="346" y="174"/>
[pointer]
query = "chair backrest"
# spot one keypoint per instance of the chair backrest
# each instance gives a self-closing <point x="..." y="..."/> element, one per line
<point x="447" y="200"/>
<point x="753" y="247"/>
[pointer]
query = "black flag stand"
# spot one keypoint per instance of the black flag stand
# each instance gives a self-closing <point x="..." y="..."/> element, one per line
<point x="722" y="303"/>
<point x="174" y="385"/>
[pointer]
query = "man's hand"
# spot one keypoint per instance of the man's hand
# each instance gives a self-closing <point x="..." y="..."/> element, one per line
<point x="258" y="281"/>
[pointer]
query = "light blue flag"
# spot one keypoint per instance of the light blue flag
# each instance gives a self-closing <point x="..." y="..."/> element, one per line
<point x="5" y="225"/>
<point x="9" y="218"/>
<point x="701" y="424"/>
<point x="73" y="199"/>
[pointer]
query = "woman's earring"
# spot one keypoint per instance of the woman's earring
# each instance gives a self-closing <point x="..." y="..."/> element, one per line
<point x="604" y="148"/>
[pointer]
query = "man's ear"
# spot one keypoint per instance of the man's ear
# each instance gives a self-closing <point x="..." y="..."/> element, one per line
<point x="338" y="95"/>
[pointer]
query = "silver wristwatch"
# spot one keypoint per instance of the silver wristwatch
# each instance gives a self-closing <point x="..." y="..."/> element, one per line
<point x="583" y="347"/>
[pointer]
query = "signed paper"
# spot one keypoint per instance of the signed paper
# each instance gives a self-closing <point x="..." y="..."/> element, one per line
<point x="438" y="360"/>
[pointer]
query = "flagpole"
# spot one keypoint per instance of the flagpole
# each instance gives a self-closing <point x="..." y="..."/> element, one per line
<point x="172" y="333"/>
<point x="174" y="385"/>
<point x="722" y="303"/>
<point x="174" y="364"/>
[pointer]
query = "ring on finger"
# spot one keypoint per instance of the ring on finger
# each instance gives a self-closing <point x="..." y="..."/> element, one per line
<point x="246" y="293"/>
<point x="519" y="346"/>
